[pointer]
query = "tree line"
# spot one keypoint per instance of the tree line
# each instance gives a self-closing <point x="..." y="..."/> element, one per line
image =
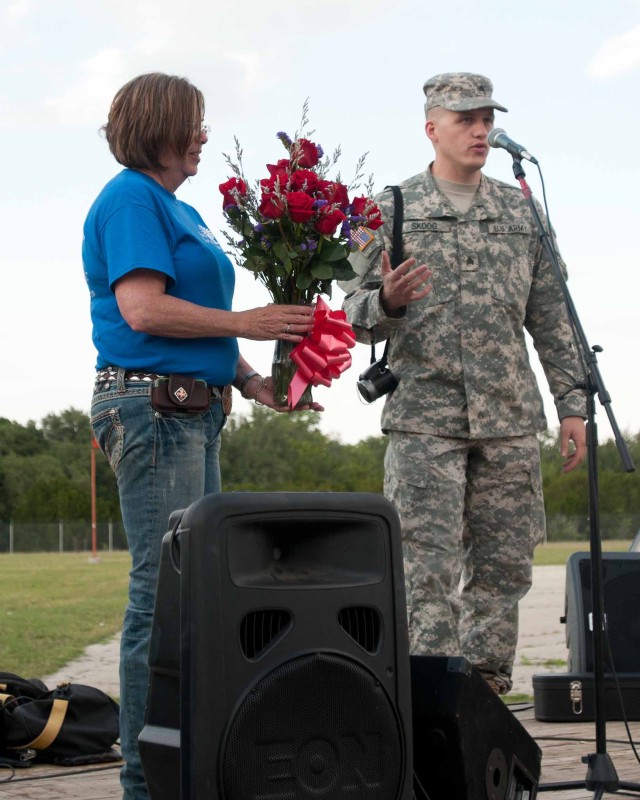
<point x="45" y="471"/>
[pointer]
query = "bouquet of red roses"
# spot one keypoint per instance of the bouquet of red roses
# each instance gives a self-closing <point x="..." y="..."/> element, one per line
<point x="297" y="226"/>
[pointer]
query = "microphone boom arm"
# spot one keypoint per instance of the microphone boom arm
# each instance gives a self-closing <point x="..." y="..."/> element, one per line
<point x="601" y="773"/>
<point x="593" y="372"/>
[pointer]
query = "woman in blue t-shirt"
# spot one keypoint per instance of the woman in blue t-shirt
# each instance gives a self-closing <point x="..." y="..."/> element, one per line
<point x="161" y="291"/>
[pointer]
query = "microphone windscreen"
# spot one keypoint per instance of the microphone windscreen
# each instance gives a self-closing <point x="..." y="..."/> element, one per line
<point x="493" y="136"/>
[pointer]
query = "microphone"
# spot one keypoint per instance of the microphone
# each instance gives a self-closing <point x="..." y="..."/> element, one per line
<point x="498" y="138"/>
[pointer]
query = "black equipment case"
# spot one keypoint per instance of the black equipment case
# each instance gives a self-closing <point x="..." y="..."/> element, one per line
<point x="569" y="697"/>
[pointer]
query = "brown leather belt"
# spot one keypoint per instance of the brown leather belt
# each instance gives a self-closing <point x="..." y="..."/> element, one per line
<point x="108" y="375"/>
<point x="111" y="373"/>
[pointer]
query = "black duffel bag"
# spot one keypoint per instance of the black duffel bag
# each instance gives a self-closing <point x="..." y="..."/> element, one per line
<point x="69" y="724"/>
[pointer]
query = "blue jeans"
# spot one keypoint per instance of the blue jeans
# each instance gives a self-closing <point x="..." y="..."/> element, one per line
<point x="162" y="463"/>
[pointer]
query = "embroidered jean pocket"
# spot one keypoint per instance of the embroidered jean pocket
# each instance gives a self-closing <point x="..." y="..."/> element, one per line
<point x="109" y="432"/>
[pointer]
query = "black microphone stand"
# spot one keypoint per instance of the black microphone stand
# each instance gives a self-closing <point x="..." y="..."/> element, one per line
<point x="601" y="774"/>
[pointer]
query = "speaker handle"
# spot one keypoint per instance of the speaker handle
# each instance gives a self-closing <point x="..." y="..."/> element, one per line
<point x="174" y="551"/>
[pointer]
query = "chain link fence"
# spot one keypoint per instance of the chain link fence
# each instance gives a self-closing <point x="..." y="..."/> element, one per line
<point x="62" y="537"/>
<point x="31" y="537"/>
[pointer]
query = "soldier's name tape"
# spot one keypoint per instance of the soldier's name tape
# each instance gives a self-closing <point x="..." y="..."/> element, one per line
<point x="440" y="226"/>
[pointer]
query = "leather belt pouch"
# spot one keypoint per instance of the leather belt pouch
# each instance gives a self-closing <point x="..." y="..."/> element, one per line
<point x="180" y="393"/>
<point x="227" y="400"/>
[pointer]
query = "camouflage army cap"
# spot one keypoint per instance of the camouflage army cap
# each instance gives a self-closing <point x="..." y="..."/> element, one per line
<point x="459" y="91"/>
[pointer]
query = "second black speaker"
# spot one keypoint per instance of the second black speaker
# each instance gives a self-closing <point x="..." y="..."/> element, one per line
<point x="621" y="590"/>
<point x="467" y="743"/>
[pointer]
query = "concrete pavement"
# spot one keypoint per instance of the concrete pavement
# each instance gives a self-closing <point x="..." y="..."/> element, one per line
<point x="542" y="640"/>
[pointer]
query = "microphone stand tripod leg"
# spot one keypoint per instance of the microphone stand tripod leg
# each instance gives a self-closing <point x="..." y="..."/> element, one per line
<point x="601" y="773"/>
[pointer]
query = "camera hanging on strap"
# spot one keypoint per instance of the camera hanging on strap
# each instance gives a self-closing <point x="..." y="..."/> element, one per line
<point x="378" y="380"/>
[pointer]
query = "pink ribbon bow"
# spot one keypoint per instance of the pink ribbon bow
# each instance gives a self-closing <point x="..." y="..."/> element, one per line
<point x="324" y="354"/>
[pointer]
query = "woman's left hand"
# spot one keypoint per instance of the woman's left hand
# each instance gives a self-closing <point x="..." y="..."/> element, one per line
<point x="262" y="394"/>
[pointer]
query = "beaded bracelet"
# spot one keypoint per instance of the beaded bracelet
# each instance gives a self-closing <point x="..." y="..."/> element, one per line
<point x="263" y="385"/>
<point x="245" y="380"/>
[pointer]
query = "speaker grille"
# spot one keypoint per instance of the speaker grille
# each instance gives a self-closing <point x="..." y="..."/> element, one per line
<point x="363" y="625"/>
<point x="261" y="629"/>
<point x="318" y="726"/>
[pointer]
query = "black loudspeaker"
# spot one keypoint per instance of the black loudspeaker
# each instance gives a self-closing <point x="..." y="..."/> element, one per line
<point x="621" y="590"/>
<point x="291" y="658"/>
<point x="467" y="745"/>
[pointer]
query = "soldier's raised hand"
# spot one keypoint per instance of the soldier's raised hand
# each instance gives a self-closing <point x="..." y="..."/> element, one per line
<point x="403" y="285"/>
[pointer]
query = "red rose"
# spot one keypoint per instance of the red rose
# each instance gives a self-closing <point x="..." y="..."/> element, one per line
<point x="304" y="153"/>
<point x="374" y="218"/>
<point x="280" y="170"/>
<point x="300" y="206"/>
<point x="334" y="192"/>
<point x="233" y="190"/>
<point x="271" y="205"/>
<point x="359" y="206"/>
<point x="364" y="207"/>
<point x="268" y="184"/>
<point x="329" y="220"/>
<point x="304" y="180"/>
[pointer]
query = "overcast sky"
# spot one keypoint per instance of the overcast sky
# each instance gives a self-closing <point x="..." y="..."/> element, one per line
<point x="569" y="72"/>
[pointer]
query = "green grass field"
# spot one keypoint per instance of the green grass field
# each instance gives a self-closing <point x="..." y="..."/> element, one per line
<point x="53" y="605"/>
<point x="558" y="552"/>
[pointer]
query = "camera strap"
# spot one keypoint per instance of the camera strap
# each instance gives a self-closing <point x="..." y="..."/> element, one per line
<point x="396" y="253"/>
<point x="398" y="220"/>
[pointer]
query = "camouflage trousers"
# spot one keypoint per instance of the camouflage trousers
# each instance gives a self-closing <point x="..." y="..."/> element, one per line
<point x="472" y="514"/>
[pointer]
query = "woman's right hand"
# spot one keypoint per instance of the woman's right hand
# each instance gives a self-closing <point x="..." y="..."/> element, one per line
<point x="290" y="323"/>
<point x="147" y="308"/>
<point x="261" y="391"/>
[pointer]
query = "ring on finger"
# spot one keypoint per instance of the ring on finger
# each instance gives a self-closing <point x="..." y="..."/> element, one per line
<point x="288" y="328"/>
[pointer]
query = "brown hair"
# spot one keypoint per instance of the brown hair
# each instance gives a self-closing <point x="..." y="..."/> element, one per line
<point x="151" y="113"/>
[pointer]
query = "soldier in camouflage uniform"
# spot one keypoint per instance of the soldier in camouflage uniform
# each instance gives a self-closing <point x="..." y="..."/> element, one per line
<point x="463" y="465"/>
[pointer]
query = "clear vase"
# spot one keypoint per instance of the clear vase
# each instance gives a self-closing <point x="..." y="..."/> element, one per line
<point x="282" y="371"/>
